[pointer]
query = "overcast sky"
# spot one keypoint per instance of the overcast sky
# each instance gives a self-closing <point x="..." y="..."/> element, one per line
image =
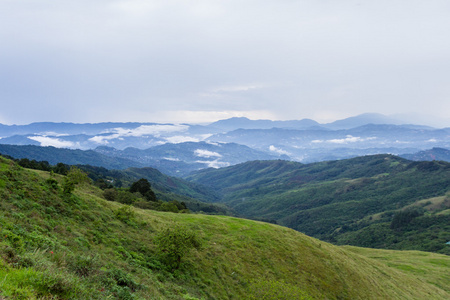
<point x="203" y="60"/>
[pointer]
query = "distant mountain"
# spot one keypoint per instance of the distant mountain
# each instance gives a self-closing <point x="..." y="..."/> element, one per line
<point x="352" y="201"/>
<point x="429" y="155"/>
<point x="318" y="144"/>
<point x="245" y="123"/>
<point x="299" y="140"/>
<point x="361" y="120"/>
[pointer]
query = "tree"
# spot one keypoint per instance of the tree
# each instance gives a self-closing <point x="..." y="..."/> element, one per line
<point x="403" y="218"/>
<point x="143" y="187"/>
<point x="175" y="242"/>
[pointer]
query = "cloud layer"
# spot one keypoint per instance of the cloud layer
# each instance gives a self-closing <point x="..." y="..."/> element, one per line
<point x="184" y="61"/>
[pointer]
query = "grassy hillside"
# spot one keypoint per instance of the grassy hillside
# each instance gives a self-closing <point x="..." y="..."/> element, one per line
<point x="161" y="182"/>
<point x="79" y="246"/>
<point x="167" y="189"/>
<point x="374" y="201"/>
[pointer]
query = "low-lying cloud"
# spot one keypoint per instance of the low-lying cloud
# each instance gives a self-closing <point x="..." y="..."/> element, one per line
<point x="346" y="140"/>
<point x="206" y="153"/>
<point x="49" y="141"/>
<point x="280" y="151"/>
<point x="214" y="163"/>
<point x="144" y="130"/>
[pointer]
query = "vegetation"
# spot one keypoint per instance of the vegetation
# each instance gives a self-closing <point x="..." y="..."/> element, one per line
<point x="378" y="201"/>
<point x="168" y="193"/>
<point x="78" y="245"/>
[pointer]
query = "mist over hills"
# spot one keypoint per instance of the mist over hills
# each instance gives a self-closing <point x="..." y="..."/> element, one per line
<point x="178" y="149"/>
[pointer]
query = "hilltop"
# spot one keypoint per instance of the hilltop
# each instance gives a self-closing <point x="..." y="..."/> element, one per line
<point x="78" y="245"/>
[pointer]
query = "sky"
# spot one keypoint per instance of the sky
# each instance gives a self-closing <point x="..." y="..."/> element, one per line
<point x="199" y="61"/>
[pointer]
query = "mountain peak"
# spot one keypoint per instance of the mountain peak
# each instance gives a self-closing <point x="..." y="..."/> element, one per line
<point x="363" y="119"/>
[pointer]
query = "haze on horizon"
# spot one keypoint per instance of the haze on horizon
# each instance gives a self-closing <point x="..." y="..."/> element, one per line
<point x="184" y="61"/>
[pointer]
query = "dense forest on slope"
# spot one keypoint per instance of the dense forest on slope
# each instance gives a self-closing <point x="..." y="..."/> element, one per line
<point x="357" y="201"/>
<point x="71" y="243"/>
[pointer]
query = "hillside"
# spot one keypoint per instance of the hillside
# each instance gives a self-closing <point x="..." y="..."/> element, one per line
<point x="67" y="156"/>
<point x="78" y="245"/>
<point x="352" y="201"/>
<point x="429" y="155"/>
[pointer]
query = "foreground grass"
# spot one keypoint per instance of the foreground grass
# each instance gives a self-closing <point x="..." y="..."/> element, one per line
<point x="80" y="246"/>
<point x="431" y="267"/>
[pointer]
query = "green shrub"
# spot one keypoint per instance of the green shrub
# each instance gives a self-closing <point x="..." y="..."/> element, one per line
<point x="175" y="242"/>
<point x="126" y="214"/>
<point x="52" y="183"/>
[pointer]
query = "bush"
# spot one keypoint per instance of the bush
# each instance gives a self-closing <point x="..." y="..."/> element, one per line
<point x="175" y="242"/>
<point x="126" y="214"/>
<point x="110" y="194"/>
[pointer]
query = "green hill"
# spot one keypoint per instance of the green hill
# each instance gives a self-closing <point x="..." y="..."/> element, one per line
<point x="56" y="245"/>
<point x="380" y="201"/>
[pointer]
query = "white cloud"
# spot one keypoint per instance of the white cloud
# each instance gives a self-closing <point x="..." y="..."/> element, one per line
<point x="214" y="163"/>
<point x="143" y="130"/>
<point x="155" y="130"/>
<point x="206" y="153"/>
<point x="48" y="141"/>
<point x="278" y="150"/>
<point x="52" y="133"/>
<point x="171" y="158"/>
<point x="213" y="143"/>
<point x="177" y="139"/>
<point x="346" y="140"/>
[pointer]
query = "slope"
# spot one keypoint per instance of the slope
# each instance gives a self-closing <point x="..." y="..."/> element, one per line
<point x="335" y="200"/>
<point x="68" y="156"/>
<point x="78" y="246"/>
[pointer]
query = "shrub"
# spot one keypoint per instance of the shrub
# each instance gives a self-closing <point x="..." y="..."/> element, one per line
<point x="126" y="214"/>
<point x="175" y="242"/>
<point x="52" y="183"/>
<point x="110" y="194"/>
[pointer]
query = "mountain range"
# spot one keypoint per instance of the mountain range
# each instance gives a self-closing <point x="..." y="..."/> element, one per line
<point x="178" y="149"/>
